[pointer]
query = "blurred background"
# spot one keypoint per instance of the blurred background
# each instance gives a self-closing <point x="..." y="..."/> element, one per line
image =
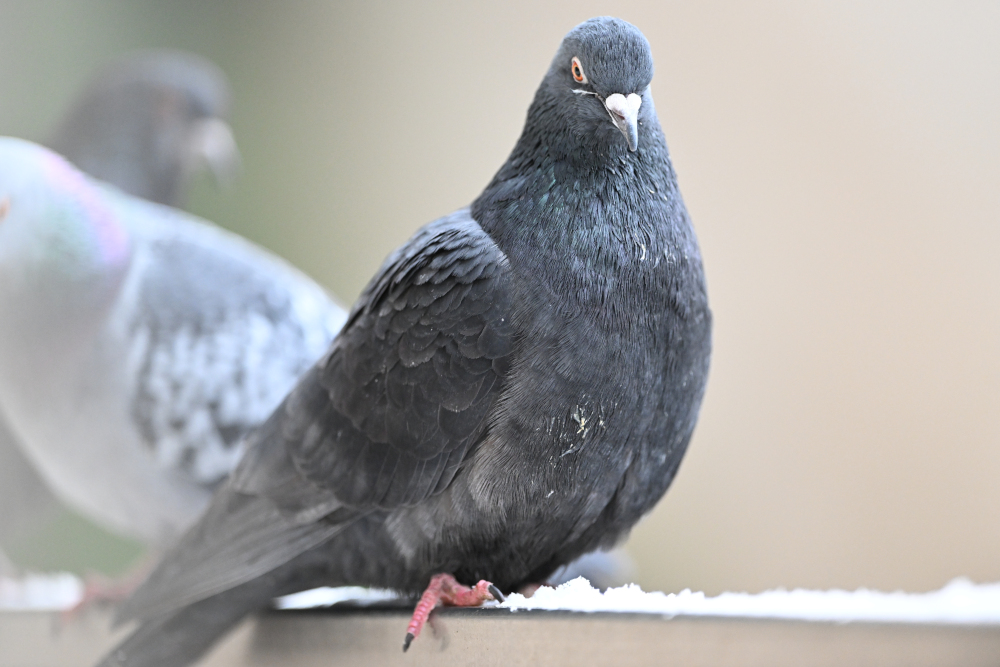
<point x="840" y="161"/>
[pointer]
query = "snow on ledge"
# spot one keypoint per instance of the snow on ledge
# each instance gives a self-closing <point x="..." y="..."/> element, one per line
<point x="326" y="597"/>
<point x="960" y="602"/>
<point x="40" y="592"/>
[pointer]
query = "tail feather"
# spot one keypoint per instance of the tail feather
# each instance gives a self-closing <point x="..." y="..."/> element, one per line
<point x="180" y="638"/>
<point x="238" y="540"/>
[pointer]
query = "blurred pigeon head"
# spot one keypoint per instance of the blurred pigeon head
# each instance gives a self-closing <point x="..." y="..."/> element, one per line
<point x="148" y="122"/>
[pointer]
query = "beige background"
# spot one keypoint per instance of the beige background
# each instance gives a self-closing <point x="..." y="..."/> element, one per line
<point x="840" y="161"/>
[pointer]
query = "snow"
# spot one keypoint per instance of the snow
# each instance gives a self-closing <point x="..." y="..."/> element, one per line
<point x="40" y="592"/>
<point x="960" y="602"/>
<point x="326" y="597"/>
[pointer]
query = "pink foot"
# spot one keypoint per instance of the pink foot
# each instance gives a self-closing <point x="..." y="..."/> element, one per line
<point x="99" y="590"/>
<point x="443" y="589"/>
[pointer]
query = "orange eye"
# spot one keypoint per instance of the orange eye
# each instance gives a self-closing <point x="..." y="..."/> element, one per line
<point x="577" y="69"/>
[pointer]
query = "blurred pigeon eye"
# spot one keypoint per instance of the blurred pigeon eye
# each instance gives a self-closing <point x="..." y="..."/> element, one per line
<point x="578" y="74"/>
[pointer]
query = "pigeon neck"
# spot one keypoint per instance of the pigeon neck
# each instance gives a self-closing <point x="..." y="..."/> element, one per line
<point x="554" y="154"/>
<point x="604" y="226"/>
<point x="555" y="185"/>
<point x="73" y="235"/>
<point x="63" y="256"/>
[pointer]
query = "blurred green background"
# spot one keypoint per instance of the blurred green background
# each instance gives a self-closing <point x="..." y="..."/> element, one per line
<point x="840" y="162"/>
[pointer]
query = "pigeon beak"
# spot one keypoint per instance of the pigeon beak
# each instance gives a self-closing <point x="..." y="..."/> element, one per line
<point x="4" y="207"/>
<point x="212" y="142"/>
<point x="624" y="112"/>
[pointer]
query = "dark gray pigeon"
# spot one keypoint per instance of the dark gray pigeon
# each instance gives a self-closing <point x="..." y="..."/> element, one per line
<point x="147" y="122"/>
<point x="515" y="387"/>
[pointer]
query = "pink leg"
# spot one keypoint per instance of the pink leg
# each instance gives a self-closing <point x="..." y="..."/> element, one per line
<point x="100" y="590"/>
<point x="443" y="589"/>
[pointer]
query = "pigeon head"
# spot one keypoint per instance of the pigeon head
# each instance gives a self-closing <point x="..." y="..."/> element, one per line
<point x="56" y="229"/>
<point x="598" y="84"/>
<point x="148" y="122"/>
<point x="591" y="137"/>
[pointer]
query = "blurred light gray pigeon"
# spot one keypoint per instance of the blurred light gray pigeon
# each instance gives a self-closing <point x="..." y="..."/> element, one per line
<point x="138" y="343"/>
<point x="25" y="500"/>
<point x="145" y="123"/>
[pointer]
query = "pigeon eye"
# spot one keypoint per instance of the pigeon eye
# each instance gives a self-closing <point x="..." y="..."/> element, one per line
<point x="577" y="69"/>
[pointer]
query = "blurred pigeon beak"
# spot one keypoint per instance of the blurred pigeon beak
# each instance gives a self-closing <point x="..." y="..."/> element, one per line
<point x="4" y="207"/>
<point x="212" y="141"/>
<point x="624" y="111"/>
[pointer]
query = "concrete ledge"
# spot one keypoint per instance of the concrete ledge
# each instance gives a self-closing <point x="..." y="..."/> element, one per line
<point x="371" y="637"/>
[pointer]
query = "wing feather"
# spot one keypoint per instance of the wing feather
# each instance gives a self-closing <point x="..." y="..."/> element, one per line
<point x="385" y="419"/>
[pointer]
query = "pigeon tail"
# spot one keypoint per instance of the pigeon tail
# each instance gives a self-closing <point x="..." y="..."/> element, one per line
<point x="180" y="638"/>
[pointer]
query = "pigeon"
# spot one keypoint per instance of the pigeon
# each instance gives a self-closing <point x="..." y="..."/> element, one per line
<point x="515" y="387"/>
<point x="148" y="122"/>
<point x="139" y="344"/>
<point x="145" y="123"/>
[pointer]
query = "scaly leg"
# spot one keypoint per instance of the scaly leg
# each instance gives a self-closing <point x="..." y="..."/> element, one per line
<point x="100" y="590"/>
<point x="443" y="589"/>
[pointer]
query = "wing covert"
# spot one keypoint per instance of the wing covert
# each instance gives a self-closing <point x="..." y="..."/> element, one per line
<point x="406" y="388"/>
